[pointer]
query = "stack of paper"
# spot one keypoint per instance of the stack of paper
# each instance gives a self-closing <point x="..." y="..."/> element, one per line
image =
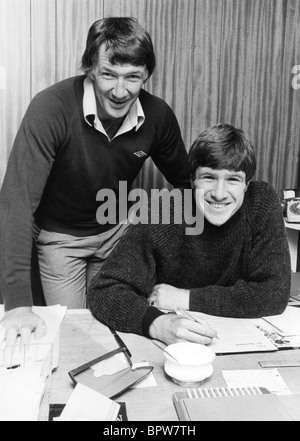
<point x="25" y="371"/>
<point x="96" y="406"/>
<point x="284" y="329"/>
<point x="253" y="335"/>
<point x="235" y="335"/>
<point x="53" y="317"/>
<point x="24" y="394"/>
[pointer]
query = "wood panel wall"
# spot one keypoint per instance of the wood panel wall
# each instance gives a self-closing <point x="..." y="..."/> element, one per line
<point x="42" y="41"/>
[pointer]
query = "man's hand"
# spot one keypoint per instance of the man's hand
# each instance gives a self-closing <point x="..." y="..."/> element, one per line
<point x="168" y="297"/>
<point x="171" y="328"/>
<point x="21" y="321"/>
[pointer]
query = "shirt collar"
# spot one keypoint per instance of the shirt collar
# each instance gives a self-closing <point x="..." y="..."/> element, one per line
<point x="134" y="119"/>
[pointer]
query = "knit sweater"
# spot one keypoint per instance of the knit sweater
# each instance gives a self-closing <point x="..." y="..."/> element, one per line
<point x="58" y="165"/>
<point x="239" y="269"/>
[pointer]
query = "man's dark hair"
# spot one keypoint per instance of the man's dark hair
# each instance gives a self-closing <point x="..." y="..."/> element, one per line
<point x="126" y="40"/>
<point x="222" y="147"/>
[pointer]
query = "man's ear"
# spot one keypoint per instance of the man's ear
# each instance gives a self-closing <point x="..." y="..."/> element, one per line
<point x="247" y="185"/>
<point x="91" y="75"/>
<point x="192" y="183"/>
<point x="147" y="78"/>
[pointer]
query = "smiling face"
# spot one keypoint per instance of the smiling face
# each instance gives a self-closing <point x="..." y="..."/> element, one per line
<point x="117" y="86"/>
<point x="223" y="193"/>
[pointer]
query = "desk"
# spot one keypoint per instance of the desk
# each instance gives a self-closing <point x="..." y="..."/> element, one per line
<point x="83" y="339"/>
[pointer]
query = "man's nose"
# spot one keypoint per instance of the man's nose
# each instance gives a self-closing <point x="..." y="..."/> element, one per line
<point x="219" y="191"/>
<point x="119" y="90"/>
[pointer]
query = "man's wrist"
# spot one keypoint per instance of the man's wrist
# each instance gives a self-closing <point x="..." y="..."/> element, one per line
<point x="149" y="317"/>
<point x="156" y="329"/>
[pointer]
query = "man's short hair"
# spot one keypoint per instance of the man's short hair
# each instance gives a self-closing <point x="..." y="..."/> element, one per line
<point x="126" y="40"/>
<point x="222" y="147"/>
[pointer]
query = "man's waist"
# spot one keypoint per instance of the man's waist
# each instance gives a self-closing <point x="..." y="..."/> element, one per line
<point x="81" y="229"/>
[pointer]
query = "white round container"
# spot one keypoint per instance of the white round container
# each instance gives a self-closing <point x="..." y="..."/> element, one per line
<point x="194" y="363"/>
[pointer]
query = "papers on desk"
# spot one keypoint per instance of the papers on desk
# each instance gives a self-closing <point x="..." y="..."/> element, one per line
<point x="23" y="394"/>
<point x="283" y="330"/>
<point x="254" y="335"/>
<point x="38" y="349"/>
<point x="288" y="323"/>
<point x="235" y="335"/>
<point x="118" y="363"/>
<point x="269" y="379"/>
<point x="96" y="407"/>
<point x="25" y="371"/>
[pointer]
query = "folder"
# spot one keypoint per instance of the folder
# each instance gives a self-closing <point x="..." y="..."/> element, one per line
<point x="236" y="404"/>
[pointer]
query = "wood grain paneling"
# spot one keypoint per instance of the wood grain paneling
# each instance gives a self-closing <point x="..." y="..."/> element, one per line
<point x="15" y="57"/>
<point x="217" y="61"/>
<point x="74" y="17"/>
<point x="43" y="44"/>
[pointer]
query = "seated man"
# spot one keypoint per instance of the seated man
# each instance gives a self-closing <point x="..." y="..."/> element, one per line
<point x="239" y="266"/>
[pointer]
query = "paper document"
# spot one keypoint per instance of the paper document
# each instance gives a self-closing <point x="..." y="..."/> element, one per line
<point x="267" y="378"/>
<point x="235" y="335"/>
<point x="288" y="323"/>
<point x="21" y="392"/>
<point x="116" y="364"/>
<point x="25" y="370"/>
<point x="85" y="404"/>
<point x="38" y="349"/>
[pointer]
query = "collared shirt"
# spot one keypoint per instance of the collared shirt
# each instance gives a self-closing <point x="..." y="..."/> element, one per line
<point x="134" y="119"/>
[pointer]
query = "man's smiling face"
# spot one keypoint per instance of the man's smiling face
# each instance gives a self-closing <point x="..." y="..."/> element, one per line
<point x="223" y="193"/>
<point x="117" y="86"/>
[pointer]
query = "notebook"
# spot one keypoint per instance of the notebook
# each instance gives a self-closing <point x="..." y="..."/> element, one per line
<point x="234" y="335"/>
<point x="235" y="404"/>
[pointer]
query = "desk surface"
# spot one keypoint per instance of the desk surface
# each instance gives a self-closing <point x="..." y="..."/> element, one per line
<point x="83" y="338"/>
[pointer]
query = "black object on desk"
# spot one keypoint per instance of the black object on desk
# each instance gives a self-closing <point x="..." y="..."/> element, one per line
<point x="114" y="384"/>
<point x="56" y="409"/>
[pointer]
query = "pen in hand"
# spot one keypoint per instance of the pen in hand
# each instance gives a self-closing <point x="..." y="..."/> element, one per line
<point x="190" y="316"/>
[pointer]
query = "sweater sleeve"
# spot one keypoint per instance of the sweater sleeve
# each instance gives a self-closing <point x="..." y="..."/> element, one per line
<point x="170" y="155"/>
<point x="117" y="295"/>
<point x="28" y="168"/>
<point x="265" y="288"/>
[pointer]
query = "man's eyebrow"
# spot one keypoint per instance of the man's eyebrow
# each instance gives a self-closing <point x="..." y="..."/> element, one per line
<point x="204" y="173"/>
<point x="112" y="69"/>
<point x="237" y="174"/>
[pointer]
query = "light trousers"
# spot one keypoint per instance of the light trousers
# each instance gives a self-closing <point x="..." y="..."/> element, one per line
<point x="68" y="263"/>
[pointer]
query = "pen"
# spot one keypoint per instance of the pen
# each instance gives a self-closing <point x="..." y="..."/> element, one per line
<point x="190" y="316"/>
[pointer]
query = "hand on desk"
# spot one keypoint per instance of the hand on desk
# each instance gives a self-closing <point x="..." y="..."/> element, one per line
<point x="171" y="328"/>
<point x="169" y="297"/>
<point x="21" y="321"/>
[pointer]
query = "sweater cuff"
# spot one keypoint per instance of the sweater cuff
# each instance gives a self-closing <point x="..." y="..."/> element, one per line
<point x="150" y="315"/>
<point x="17" y="296"/>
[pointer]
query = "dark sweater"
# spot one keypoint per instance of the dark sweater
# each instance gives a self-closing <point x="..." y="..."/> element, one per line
<point x="240" y="269"/>
<point x="59" y="163"/>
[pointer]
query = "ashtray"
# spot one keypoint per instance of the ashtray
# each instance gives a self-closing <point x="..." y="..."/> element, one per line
<point x="189" y="364"/>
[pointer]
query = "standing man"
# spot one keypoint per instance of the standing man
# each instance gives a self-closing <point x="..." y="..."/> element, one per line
<point x="77" y="137"/>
